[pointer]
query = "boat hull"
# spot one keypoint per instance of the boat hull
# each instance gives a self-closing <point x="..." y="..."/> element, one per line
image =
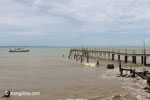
<point x="19" y="51"/>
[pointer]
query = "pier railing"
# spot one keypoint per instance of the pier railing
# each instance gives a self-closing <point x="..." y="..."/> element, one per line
<point x="113" y="52"/>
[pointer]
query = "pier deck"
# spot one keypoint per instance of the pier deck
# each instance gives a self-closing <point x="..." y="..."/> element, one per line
<point x="111" y="53"/>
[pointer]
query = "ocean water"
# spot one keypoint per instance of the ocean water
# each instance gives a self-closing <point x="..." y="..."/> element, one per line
<point x="44" y="70"/>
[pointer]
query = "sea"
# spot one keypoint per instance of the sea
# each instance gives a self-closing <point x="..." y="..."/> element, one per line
<point x="44" y="74"/>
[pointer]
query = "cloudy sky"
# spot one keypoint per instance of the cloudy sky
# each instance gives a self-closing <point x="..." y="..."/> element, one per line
<point x="74" y="22"/>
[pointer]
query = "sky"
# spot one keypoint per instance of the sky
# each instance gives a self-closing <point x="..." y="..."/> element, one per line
<point x="74" y="22"/>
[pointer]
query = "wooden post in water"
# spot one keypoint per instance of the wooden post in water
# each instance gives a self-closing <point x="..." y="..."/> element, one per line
<point x="118" y="57"/>
<point x="108" y="55"/>
<point x="87" y="57"/>
<point x="120" y="66"/>
<point x="134" y="59"/>
<point x="133" y="71"/>
<point x="81" y="59"/>
<point x="69" y="55"/>
<point x="121" y="71"/>
<point x="144" y="53"/>
<point x="142" y="58"/>
<point x="112" y="56"/>
<point x="97" y="63"/>
<point x="75" y="55"/>
<point x="126" y="58"/>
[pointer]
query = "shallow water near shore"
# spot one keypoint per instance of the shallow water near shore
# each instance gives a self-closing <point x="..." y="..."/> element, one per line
<point x="44" y="70"/>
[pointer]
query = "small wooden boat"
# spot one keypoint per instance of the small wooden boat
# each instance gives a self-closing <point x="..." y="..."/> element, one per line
<point x="18" y="50"/>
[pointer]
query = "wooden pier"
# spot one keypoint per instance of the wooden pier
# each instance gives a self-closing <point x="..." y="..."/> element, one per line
<point x="111" y="54"/>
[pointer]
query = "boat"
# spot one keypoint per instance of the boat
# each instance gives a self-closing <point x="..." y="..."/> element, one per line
<point x="18" y="50"/>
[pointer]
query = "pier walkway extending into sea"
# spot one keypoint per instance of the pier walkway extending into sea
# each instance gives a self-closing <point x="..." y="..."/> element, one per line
<point x="112" y="54"/>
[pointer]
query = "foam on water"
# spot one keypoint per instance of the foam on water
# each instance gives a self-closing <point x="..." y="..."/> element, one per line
<point x="90" y="64"/>
<point x="117" y="97"/>
<point x="134" y="85"/>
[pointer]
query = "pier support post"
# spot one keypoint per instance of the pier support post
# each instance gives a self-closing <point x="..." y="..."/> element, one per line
<point x="126" y="59"/>
<point x="131" y="71"/>
<point x="118" y="57"/>
<point x="134" y="59"/>
<point x="113" y="56"/>
<point x="81" y="59"/>
<point x="76" y="57"/>
<point x="108" y="56"/>
<point x="87" y="57"/>
<point x="119" y="65"/>
<point x="100" y="55"/>
<point x="121" y="71"/>
<point x="142" y="58"/>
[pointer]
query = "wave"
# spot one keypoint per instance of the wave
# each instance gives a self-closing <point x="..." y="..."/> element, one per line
<point x="134" y="85"/>
<point x="90" y="64"/>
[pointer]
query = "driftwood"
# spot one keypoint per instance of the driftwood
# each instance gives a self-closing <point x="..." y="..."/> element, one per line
<point x="144" y="75"/>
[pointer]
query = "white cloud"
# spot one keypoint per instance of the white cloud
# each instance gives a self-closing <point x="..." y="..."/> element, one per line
<point x="103" y="10"/>
<point x="75" y="17"/>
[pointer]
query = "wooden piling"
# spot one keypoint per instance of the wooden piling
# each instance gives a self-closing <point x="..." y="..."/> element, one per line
<point x="121" y="71"/>
<point x="131" y="70"/>
<point x="81" y="59"/>
<point x="142" y="59"/>
<point x="87" y="57"/>
<point x="112" y="56"/>
<point x="76" y="57"/>
<point x="133" y="73"/>
<point x="118" y="57"/>
<point x="119" y="65"/>
<point x="97" y="63"/>
<point x="126" y="59"/>
<point x="134" y="59"/>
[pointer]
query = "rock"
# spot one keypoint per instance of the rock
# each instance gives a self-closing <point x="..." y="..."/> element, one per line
<point x="110" y="66"/>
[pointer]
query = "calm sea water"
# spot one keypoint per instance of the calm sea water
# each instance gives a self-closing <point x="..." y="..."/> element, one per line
<point x="44" y="70"/>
